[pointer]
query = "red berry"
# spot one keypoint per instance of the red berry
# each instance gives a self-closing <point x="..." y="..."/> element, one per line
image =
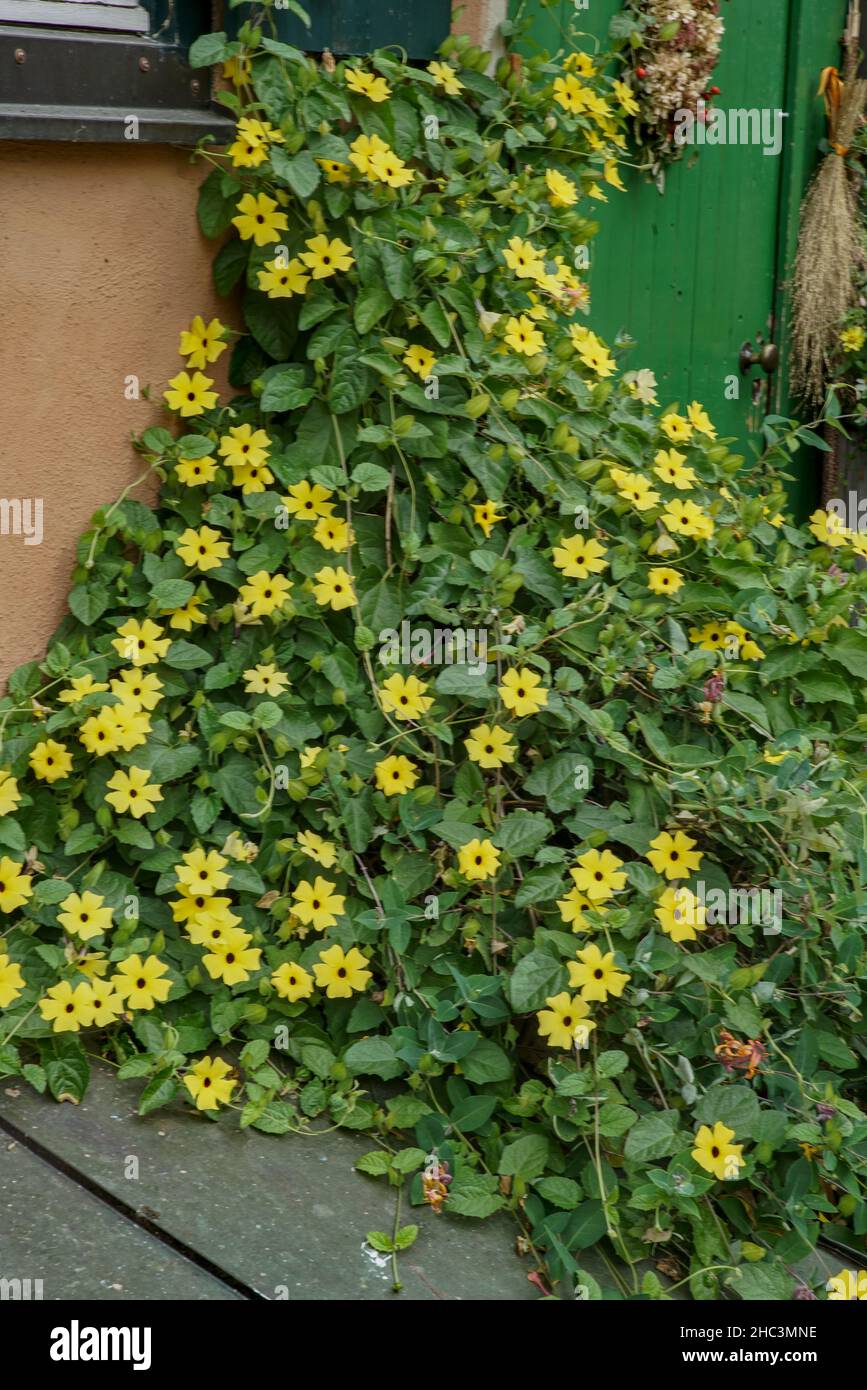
<point x="641" y="72"/>
<point x="715" y="91"/>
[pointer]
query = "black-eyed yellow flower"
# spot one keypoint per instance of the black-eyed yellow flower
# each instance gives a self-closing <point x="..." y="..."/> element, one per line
<point x="99" y="734"/>
<point x="292" y="982"/>
<point x="78" y="689"/>
<point x="202" y="872"/>
<point x="258" y="218"/>
<point x="133" y="793"/>
<point x="680" y="914"/>
<point x="308" y="501"/>
<point x="135" y="688"/>
<point x="84" y="915"/>
<point x="598" y="874"/>
<point x="244" y="445"/>
<point x="571" y="94"/>
<point x="566" y="1022"/>
<point x="190" y="395"/>
<point x="829" y="528"/>
<point x="591" y="350"/>
<point x="321" y="851"/>
<point x="94" y="965"/>
<point x="340" y="973"/>
<point x="196" y="472"/>
<point x="332" y="533"/>
<point x="490" y="746"/>
<point x="325" y="257"/>
<point x="333" y="588"/>
<point x="479" y="859"/>
<point x="686" y="519"/>
<point x="419" y="360"/>
<point x="596" y="975"/>
<point x="142" y="643"/>
<point x="580" y="556"/>
<point x="283" y="281"/>
<point x="366" y="84"/>
<point x="446" y="77"/>
<point x="573" y="907"/>
<point x="485" y="514"/>
<point x="203" y="549"/>
<point x="579" y="62"/>
<point x="265" y="680"/>
<point x="700" y="420"/>
<point x="15" y="885"/>
<point x="208" y="1083"/>
<point x="387" y="167"/>
<point x="522" y="692"/>
<point x="317" y="904"/>
<point x="715" y="1153"/>
<point x="662" y="580"/>
<point x="105" y="1002"/>
<point x="238" y="70"/>
<point x="12" y="982"/>
<point x="523" y="258"/>
<point x="249" y="149"/>
<point x="252" y="478"/>
<point x="362" y="150"/>
<point x="669" y="465"/>
<point x="635" y="488"/>
<point x="396" y="775"/>
<point x="67" y="1010"/>
<point x="264" y="593"/>
<point x="50" y="761"/>
<point x="404" y="696"/>
<point x="335" y="170"/>
<point x="140" y="982"/>
<point x="676" y="427"/>
<point x="674" y="855"/>
<point x="10" y="796"/>
<point x="212" y="928"/>
<point x="185" y="618"/>
<point x="132" y="726"/>
<point x="202" y="343"/>
<point x="522" y="336"/>
<point x="625" y="97"/>
<point x="562" y="192"/>
<point x="232" y="959"/>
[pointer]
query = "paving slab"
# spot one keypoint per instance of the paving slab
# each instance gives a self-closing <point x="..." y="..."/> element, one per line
<point x="284" y="1216"/>
<point x="51" y="1230"/>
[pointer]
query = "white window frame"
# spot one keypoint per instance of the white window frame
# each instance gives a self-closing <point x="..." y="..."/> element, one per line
<point x="126" y="16"/>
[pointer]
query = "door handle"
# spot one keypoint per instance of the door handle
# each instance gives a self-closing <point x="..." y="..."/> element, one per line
<point x="767" y="357"/>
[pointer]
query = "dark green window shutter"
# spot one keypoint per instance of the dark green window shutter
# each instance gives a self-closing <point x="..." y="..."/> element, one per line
<point x="358" y="26"/>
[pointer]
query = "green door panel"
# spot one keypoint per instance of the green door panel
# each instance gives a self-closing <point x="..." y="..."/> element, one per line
<point x="359" y="26"/>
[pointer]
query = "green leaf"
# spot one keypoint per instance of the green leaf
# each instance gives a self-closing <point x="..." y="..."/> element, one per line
<point x="173" y="593"/>
<point x="66" y="1068"/>
<point x="767" y="1281"/>
<point x="299" y="171"/>
<point x="372" y="304"/>
<point x="158" y="1092"/>
<point x="735" y="1106"/>
<point x="375" y="1163"/>
<point x="473" y="1113"/>
<point x="523" y="832"/>
<point x="88" y="602"/>
<point x="208" y="49"/>
<point x="406" y="1237"/>
<point x="525" y="1158"/>
<point x="373" y="1057"/>
<point x="536" y="977"/>
<point x="560" y="1192"/>
<point x="654" y="1136"/>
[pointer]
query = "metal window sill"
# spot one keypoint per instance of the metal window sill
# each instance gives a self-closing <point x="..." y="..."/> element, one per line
<point x="110" y="125"/>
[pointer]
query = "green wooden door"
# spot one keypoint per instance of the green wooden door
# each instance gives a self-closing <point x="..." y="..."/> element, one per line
<point x="695" y="272"/>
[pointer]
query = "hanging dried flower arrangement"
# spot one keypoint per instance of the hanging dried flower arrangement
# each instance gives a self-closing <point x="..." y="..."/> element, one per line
<point x="671" y="48"/>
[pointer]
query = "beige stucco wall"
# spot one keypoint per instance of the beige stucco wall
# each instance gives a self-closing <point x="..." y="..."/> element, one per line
<point x="102" y="265"/>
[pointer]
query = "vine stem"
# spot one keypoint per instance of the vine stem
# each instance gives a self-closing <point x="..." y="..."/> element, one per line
<point x="396" y="1285"/>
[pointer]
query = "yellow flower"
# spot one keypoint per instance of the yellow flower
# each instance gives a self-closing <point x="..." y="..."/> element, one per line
<point x="523" y="257"/>
<point x="317" y="904"/>
<point x="523" y="336"/>
<point x="10" y="796"/>
<point x="139" y="982"/>
<point x="387" y="167"/>
<point x="700" y="420"/>
<point x="332" y="534"/>
<point x="447" y="78"/>
<point x="485" y="514"/>
<point x="106" y="1004"/>
<point x="326" y="257"/>
<point x="715" y="1153"/>
<point x="203" y="550"/>
<point x="419" y="360"/>
<point x="592" y="351"/>
<point x="849" y="1286"/>
<point x="184" y="619"/>
<point x="489" y="746"/>
<point x="596" y="975"/>
<point x="232" y="959"/>
<point x="522" y="692"/>
<point x="598" y="875"/>
<point x="265" y="680"/>
<point x="78" y="689"/>
<point x="626" y="98"/>
<point x="141" y="643"/>
<point x="264" y="592"/>
<point x="211" y="924"/>
<point x="190" y="395"/>
<point x="669" y="466"/>
<point x="334" y="170"/>
<point x="259" y="219"/>
<point x="100" y="733"/>
<point x="67" y="1009"/>
<point x="579" y="62"/>
<point x="313" y="845"/>
<point x="339" y="974"/>
<point x="404" y="696"/>
<point x="308" y="501"/>
<point x="711" y="637"/>
<point x="562" y="192"/>
<point x="292" y="982"/>
<point x="579" y="557"/>
<point x="611" y="175"/>
<point x="673" y="855"/>
<point x="396" y="775"/>
<point x="94" y="965"/>
<point x="208" y="1083"/>
<point x="362" y="150"/>
<point x="333" y="588"/>
<point x="84" y="915"/>
<point x="686" y="519"/>
<point x="250" y="148"/>
<point x="564" y="1023"/>
<point x="853" y="339"/>
<point x="195" y="472"/>
<point x="238" y="70"/>
<point x="479" y="859"/>
<point x="50" y="761"/>
<point x="775" y="758"/>
<point x="662" y="580"/>
<point x="202" y="343"/>
<point x="136" y="689"/>
<point x="12" y="982"/>
<point x="201" y="871"/>
<point x="676" y="427"/>
<point x="133" y="792"/>
<point x="252" y="478"/>
<point x="829" y="528"/>
<point x="571" y="94"/>
<point x="282" y="281"/>
<point x="243" y="445"/>
<point x="367" y="85"/>
<point x="680" y="914"/>
<point x="15" y="886"/>
<point x="635" y="488"/>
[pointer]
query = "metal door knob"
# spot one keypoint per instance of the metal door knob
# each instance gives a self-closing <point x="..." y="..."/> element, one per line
<point x="767" y="357"/>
